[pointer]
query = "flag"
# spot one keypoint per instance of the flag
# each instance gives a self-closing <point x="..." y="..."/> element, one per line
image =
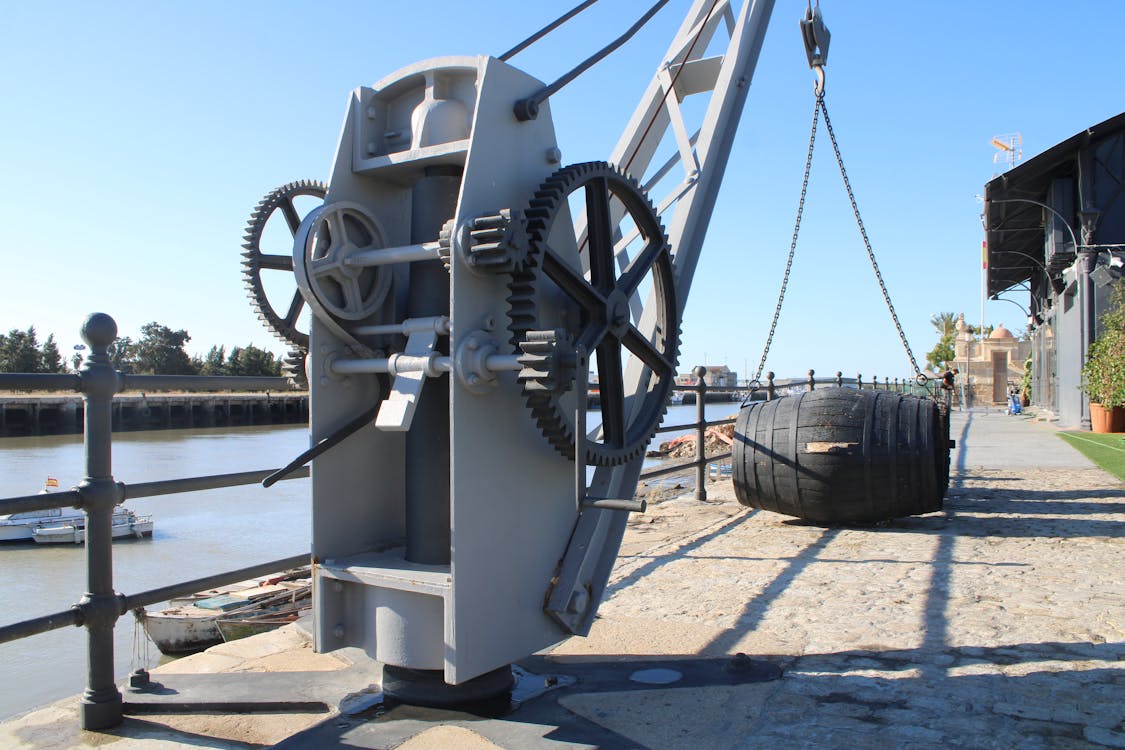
<point x="984" y="254"/>
<point x="52" y="482"/>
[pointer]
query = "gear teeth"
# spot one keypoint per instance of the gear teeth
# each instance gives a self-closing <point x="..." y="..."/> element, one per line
<point x="252" y="253"/>
<point x="293" y="367"/>
<point x="548" y="362"/>
<point x="541" y="392"/>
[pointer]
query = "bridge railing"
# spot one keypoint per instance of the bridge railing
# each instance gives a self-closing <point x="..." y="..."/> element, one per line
<point x="98" y="494"/>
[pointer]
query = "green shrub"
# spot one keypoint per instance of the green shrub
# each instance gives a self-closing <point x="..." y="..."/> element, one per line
<point x="1103" y="375"/>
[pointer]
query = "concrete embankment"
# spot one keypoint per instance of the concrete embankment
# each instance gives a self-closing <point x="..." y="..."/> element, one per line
<point x="995" y="623"/>
<point x="43" y="414"/>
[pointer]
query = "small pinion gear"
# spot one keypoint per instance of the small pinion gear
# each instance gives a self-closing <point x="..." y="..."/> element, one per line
<point x="281" y="321"/>
<point x="595" y="310"/>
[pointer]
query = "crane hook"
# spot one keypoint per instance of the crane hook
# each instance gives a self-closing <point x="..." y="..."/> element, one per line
<point x="816" y="37"/>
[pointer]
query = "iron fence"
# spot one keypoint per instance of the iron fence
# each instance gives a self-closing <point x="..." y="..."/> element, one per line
<point x="98" y="494"/>
<point x="98" y="610"/>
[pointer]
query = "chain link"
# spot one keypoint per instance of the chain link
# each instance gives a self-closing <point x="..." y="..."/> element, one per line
<point x="793" y="244"/>
<point x="867" y="243"/>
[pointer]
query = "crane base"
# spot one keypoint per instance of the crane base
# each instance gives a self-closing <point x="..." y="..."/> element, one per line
<point x="427" y="687"/>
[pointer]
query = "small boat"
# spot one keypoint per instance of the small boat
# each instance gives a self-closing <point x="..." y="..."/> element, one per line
<point x="67" y="525"/>
<point x="193" y="623"/>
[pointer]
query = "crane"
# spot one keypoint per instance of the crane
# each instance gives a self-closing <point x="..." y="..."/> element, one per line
<point x="463" y="285"/>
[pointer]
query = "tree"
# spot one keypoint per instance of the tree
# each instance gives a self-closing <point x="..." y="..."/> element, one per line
<point x="160" y="351"/>
<point x="943" y="353"/>
<point x="213" y="363"/>
<point x="252" y="361"/>
<point x="50" y="357"/>
<point x="19" y="351"/>
<point x="121" y="353"/>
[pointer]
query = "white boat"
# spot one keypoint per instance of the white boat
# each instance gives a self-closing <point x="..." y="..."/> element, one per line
<point x="67" y="525"/>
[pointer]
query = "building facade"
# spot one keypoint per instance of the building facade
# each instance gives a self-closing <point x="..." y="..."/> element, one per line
<point x="988" y="368"/>
<point x="1055" y="240"/>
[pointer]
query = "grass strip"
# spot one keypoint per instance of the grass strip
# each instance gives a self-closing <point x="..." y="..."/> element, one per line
<point x="1106" y="450"/>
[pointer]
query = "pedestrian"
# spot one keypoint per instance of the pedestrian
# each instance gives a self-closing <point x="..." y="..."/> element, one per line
<point x="947" y="378"/>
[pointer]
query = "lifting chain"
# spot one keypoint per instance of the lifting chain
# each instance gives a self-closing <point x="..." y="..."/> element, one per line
<point x="792" y="245"/>
<point x="820" y="107"/>
<point x="866" y="242"/>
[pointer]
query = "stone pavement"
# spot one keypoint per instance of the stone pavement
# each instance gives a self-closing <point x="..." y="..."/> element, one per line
<point x="996" y="623"/>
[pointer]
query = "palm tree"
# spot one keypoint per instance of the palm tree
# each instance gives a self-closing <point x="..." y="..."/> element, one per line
<point x="942" y="354"/>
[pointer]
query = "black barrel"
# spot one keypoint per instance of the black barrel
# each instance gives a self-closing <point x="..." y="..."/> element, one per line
<point x="840" y="455"/>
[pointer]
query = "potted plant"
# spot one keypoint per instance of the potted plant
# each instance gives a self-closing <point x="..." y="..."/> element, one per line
<point x="1103" y="375"/>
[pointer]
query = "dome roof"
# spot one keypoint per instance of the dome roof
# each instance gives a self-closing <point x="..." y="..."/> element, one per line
<point x="1000" y="332"/>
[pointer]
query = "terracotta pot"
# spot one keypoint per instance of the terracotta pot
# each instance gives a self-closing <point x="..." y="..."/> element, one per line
<point x="1100" y="418"/>
<point x="1117" y="419"/>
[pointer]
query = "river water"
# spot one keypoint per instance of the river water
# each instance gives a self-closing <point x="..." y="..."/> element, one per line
<point x="196" y="534"/>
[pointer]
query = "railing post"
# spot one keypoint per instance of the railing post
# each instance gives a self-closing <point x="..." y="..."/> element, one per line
<point x="875" y="382"/>
<point x="896" y="386"/>
<point x="858" y="382"/>
<point x="100" y="606"/>
<point x="701" y="434"/>
<point x="839" y="379"/>
<point x="812" y="380"/>
<point x="771" y="389"/>
<point x="886" y="383"/>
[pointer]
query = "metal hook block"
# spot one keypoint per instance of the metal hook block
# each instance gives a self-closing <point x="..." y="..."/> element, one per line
<point x="816" y="37"/>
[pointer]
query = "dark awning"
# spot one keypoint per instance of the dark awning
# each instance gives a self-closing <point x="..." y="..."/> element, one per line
<point x="1015" y="230"/>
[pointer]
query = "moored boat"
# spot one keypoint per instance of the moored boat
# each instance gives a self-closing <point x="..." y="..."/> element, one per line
<point x="67" y="525"/>
<point x="191" y="624"/>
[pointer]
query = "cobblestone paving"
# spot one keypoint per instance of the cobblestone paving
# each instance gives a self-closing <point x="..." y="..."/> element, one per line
<point x="997" y="623"/>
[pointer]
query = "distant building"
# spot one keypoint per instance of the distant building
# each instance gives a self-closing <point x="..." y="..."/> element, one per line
<point x="1055" y="227"/>
<point x="718" y="376"/>
<point x="991" y="366"/>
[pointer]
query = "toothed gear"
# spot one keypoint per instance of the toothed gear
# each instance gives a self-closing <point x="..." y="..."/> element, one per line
<point x="595" y="309"/>
<point x="499" y="243"/>
<point x="548" y="360"/>
<point x="293" y="367"/>
<point x="254" y="261"/>
<point x="445" y="242"/>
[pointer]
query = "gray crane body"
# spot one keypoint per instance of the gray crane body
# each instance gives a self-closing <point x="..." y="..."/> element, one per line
<point x="452" y="287"/>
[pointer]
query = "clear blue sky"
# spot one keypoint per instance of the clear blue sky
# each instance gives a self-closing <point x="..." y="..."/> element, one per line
<point x="135" y="139"/>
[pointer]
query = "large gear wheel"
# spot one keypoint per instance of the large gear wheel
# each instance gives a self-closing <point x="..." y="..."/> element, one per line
<point x="593" y="286"/>
<point x="281" y="321"/>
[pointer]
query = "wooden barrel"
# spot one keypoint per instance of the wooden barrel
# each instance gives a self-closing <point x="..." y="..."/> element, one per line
<point x="840" y="455"/>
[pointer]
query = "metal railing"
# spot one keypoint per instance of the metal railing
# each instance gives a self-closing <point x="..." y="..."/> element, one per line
<point x="98" y="494"/>
<point x="98" y="610"/>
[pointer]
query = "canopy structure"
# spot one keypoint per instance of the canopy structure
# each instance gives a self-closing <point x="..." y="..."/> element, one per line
<point x="1032" y="212"/>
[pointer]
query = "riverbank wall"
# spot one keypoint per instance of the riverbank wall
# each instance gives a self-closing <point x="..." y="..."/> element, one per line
<point x="38" y="414"/>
